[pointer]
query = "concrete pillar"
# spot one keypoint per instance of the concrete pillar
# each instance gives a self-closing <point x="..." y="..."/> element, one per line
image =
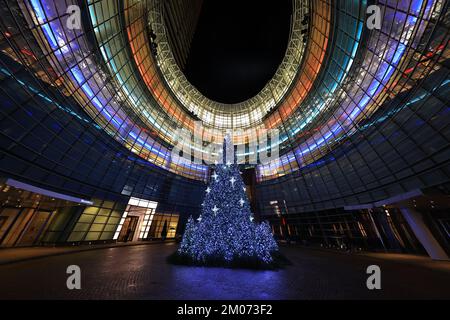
<point x="424" y="235"/>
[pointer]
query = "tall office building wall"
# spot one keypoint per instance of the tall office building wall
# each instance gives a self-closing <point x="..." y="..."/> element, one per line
<point x="181" y="19"/>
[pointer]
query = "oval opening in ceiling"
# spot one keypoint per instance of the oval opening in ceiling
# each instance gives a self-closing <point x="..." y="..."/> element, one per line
<point x="237" y="47"/>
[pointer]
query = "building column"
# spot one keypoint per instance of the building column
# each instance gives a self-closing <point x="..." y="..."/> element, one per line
<point x="423" y="234"/>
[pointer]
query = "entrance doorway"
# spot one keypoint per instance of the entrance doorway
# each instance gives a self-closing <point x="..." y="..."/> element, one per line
<point x="128" y="229"/>
<point x="141" y="213"/>
<point x="34" y="229"/>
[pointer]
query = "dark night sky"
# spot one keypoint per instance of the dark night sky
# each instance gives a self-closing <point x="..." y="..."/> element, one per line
<point x="237" y="47"/>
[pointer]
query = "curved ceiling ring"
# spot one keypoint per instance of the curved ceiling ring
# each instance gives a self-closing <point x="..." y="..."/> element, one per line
<point x="239" y="115"/>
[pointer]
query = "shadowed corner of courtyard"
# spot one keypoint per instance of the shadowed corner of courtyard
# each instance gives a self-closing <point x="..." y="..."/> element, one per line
<point x="142" y="272"/>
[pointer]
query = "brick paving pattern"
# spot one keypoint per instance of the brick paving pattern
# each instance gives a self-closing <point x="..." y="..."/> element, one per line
<point x="141" y="272"/>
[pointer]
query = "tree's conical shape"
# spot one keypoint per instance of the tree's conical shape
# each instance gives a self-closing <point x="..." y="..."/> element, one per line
<point x="225" y="230"/>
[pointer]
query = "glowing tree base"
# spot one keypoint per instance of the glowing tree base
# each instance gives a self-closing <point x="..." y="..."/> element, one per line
<point x="225" y="233"/>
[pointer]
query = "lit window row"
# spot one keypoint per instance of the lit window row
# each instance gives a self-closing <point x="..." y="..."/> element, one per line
<point x="364" y="94"/>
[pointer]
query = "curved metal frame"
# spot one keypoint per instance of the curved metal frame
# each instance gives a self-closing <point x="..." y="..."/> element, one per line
<point x="241" y="115"/>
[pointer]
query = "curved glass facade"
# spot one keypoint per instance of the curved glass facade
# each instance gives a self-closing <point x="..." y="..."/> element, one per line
<point x="362" y="113"/>
<point x="350" y="102"/>
<point x="240" y="115"/>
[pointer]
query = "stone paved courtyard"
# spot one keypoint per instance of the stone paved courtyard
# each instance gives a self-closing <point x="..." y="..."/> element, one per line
<point x="141" y="272"/>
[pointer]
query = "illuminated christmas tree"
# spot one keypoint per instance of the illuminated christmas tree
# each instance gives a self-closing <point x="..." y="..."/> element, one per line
<point x="225" y="232"/>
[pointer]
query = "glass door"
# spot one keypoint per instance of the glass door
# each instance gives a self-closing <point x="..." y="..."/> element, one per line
<point x="128" y="229"/>
<point x="7" y="218"/>
<point x="34" y="228"/>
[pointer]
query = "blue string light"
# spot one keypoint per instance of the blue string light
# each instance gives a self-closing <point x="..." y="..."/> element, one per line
<point x="225" y="230"/>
